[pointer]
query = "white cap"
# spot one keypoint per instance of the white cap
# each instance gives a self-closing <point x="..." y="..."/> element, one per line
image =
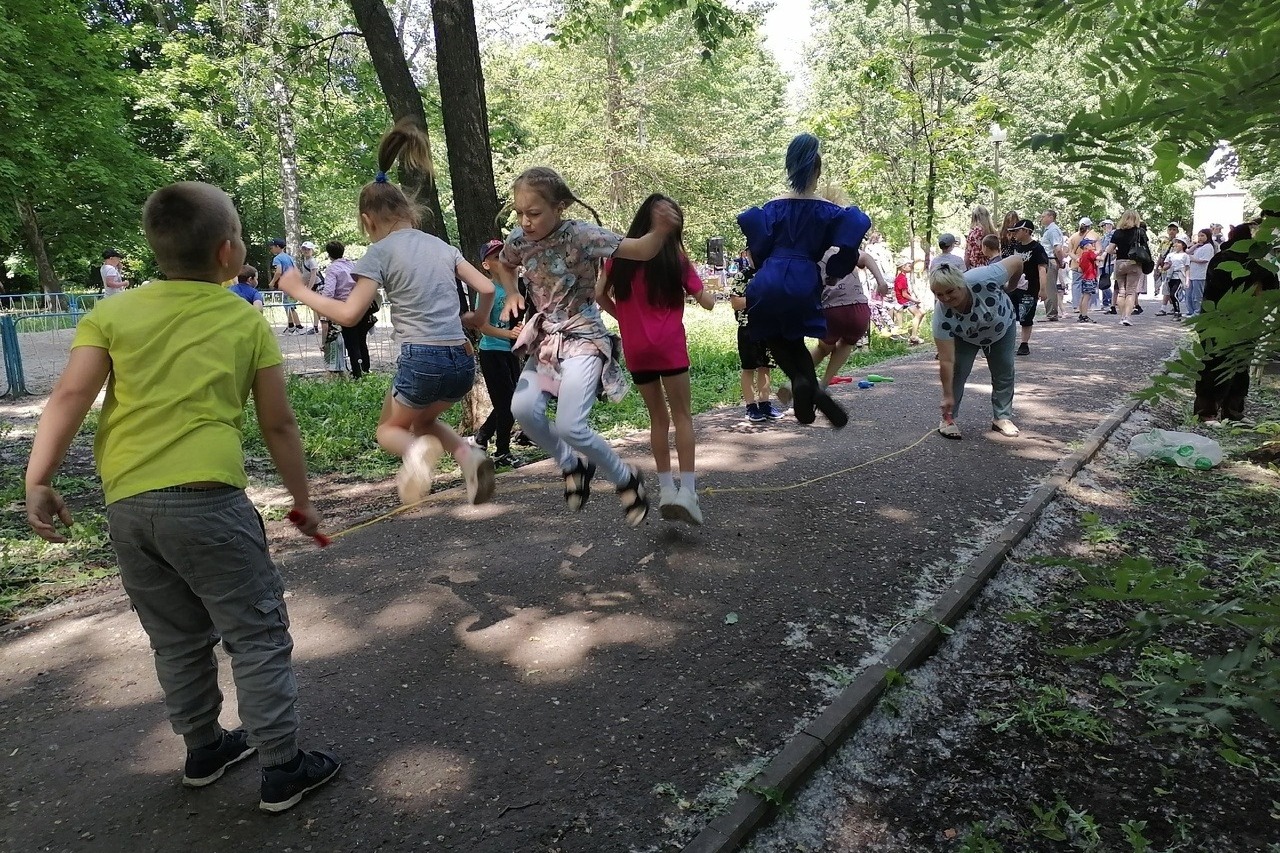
<point x="1086" y="221"/>
<point x="309" y="245"/>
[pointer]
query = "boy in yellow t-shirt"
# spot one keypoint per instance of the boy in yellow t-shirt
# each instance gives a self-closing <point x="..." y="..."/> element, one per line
<point x="180" y="358"/>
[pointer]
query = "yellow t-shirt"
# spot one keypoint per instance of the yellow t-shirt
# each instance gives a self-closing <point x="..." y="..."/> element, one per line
<point x="184" y="355"/>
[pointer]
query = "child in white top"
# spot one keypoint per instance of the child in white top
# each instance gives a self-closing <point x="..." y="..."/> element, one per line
<point x="1201" y="254"/>
<point x="418" y="272"/>
<point x="1176" y="265"/>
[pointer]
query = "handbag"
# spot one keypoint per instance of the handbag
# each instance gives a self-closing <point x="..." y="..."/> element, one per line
<point x="1140" y="253"/>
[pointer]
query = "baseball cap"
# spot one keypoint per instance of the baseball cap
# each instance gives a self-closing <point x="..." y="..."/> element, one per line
<point x="309" y="245"/>
<point x="111" y="253"/>
<point x="277" y="241"/>
<point x="1173" y="225"/>
<point x="1023" y="224"/>
<point x="1084" y="220"/>
<point x="1107" y="222"/>
<point x="946" y="241"/>
<point x="1087" y="241"/>
<point x="489" y="247"/>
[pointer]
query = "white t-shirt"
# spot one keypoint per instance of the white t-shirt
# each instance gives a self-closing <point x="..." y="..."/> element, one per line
<point x="112" y="281"/>
<point x="1178" y="264"/>
<point x="988" y="320"/>
<point x="948" y="258"/>
<point x="1200" y="257"/>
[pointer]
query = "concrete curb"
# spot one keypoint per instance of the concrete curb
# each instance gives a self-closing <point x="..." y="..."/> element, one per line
<point x="806" y="751"/>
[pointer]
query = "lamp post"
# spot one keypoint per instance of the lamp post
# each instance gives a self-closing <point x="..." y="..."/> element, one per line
<point x="998" y="135"/>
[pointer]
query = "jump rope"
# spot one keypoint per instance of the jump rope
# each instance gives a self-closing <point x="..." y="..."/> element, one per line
<point x="323" y="541"/>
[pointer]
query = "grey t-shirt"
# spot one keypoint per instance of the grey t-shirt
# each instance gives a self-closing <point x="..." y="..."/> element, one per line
<point x="419" y="274"/>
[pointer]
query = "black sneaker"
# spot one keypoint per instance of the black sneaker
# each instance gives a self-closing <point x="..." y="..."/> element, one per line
<point x="522" y="440"/>
<point x="206" y="765"/>
<point x="283" y="789"/>
<point x="506" y="460"/>
<point x="1112" y="310"/>
<point x="1137" y="309"/>
<point x="755" y="413"/>
<point x="1023" y="349"/>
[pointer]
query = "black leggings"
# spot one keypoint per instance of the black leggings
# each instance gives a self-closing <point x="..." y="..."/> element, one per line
<point x="356" y="340"/>
<point x="793" y="359"/>
<point x="501" y="371"/>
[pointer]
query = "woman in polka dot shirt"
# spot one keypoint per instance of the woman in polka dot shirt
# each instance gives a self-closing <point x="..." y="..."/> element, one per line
<point x="974" y="312"/>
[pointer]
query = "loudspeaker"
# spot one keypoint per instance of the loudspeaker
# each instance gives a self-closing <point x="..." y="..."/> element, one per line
<point x="715" y="252"/>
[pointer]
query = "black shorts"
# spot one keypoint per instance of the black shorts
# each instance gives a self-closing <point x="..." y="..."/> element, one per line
<point x="752" y="354"/>
<point x="1024" y="307"/>
<point x="644" y="377"/>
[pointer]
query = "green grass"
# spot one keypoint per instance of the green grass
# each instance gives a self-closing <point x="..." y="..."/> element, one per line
<point x="46" y="323"/>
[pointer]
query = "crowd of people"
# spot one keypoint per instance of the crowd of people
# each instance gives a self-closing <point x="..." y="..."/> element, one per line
<point x="190" y="546"/>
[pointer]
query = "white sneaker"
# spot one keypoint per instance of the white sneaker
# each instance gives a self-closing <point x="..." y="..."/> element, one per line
<point x="1005" y="427"/>
<point x="685" y="508"/>
<point x="667" y="504"/>
<point x="413" y="480"/>
<point x="477" y="471"/>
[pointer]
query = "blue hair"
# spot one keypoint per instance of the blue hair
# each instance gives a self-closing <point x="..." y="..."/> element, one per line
<point x="803" y="161"/>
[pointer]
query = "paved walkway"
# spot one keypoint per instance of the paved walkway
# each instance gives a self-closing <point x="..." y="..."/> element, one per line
<point x="511" y="677"/>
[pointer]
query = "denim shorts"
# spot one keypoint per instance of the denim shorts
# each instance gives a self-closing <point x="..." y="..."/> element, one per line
<point x="427" y="374"/>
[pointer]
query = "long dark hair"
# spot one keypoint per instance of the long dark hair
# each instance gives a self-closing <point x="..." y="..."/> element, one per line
<point x="664" y="275"/>
<point x="406" y="143"/>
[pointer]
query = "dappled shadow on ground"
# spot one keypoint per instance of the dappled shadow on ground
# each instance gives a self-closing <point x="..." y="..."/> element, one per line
<point x="515" y="677"/>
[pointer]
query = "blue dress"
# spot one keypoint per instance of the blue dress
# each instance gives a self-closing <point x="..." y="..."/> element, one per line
<point x="787" y="237"/>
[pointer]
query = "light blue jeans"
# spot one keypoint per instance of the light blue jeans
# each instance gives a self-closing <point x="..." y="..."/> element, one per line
<point x="579" y="380"/>
<point x="1193" y="297"/>
<point x="1000" y="359"/>
<point x="1077" y="282"/>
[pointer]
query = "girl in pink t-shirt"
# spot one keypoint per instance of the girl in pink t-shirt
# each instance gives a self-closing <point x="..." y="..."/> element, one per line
<point x="648" y="297"/>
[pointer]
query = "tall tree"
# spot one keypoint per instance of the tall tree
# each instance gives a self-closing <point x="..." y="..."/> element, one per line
<point x="403" y="98"/>
<point x="466" y="121"/>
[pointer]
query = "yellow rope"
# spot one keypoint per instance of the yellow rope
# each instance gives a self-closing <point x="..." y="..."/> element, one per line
<point x="710" y="491"/>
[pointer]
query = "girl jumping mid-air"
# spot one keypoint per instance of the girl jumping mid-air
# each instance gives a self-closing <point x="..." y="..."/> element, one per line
<point x="648" y="300"/>
<point x="571" y="353"/>
<point x="787" y="237"/>
<point x="418" y="272"/>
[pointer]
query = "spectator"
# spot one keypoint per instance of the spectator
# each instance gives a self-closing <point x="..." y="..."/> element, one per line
<point x="906" y="300"/>
<point x="309" y="266"/>
<point x="1083" y="232"/>
<point x="1106" y="266"/>
<point x="246" y="286"/>
<point x="1007" y="241"/>
<point x="1215" y="231"/>
<point x="1036" y="278"/>
<point x="990" y="250"/>
<point x="112" y="282"/>
<point x="1176" y="264"/>
<point x="281" y="263"/>
<point x="946" y="243"/>
<point x="1054" y="243"/>
<point x="980" y="226"/>
<point x="1129" y="275"/>
<point x="339" y="280"/>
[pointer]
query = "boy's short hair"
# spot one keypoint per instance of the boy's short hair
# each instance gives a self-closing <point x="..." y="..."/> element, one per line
<point x="185" y="223"/>
<point x="334" y="249"/>
<point x="247" y="272"/>
<point x="991" y="242"/>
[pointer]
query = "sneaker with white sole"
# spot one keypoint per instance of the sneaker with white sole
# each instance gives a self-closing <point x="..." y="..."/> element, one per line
<point x="413" y="480"/>
<point x="685" y="508"/>
<point x="207" y="764"/>
<point x="282" y="789"/>
<point x="1005" y="427"/>
<point x="477" y="472"/>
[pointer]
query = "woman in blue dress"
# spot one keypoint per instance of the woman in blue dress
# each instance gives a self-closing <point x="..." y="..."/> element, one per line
<point x="787" y="237"/>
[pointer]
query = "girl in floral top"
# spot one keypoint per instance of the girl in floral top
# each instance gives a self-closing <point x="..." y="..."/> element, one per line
<point x="572" y="356"/>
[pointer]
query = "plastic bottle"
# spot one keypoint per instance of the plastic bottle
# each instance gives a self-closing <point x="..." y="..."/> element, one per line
<point x="875" y="377"/>
<point x="1186" y="449"/>
<point x="865" y="383"/>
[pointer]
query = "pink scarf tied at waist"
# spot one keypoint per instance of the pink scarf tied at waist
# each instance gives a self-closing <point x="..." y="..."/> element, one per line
<point x="546" y="342"/>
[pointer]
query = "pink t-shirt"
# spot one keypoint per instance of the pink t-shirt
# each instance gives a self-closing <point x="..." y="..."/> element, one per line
<point x="652" y="335"/>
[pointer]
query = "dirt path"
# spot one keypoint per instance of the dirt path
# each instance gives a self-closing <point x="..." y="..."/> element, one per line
<point x="510" y="677"/>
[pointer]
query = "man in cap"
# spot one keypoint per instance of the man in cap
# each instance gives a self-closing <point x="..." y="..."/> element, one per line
<point x="1053" y="241"/>
<point x="281" y="263"/>
<point x="946" y="243"/>
<point x="1036" y="278"/>
<point x="112" y="281"/>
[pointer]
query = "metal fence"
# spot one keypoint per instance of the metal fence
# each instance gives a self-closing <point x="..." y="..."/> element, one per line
<point x="36" y="332"/>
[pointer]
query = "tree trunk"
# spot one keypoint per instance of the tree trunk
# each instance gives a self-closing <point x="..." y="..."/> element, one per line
<point x="612" y="125"/>
<point x="466" y="122"/>
<point x="35" y="245"/>
<point x="403" y="99"/>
